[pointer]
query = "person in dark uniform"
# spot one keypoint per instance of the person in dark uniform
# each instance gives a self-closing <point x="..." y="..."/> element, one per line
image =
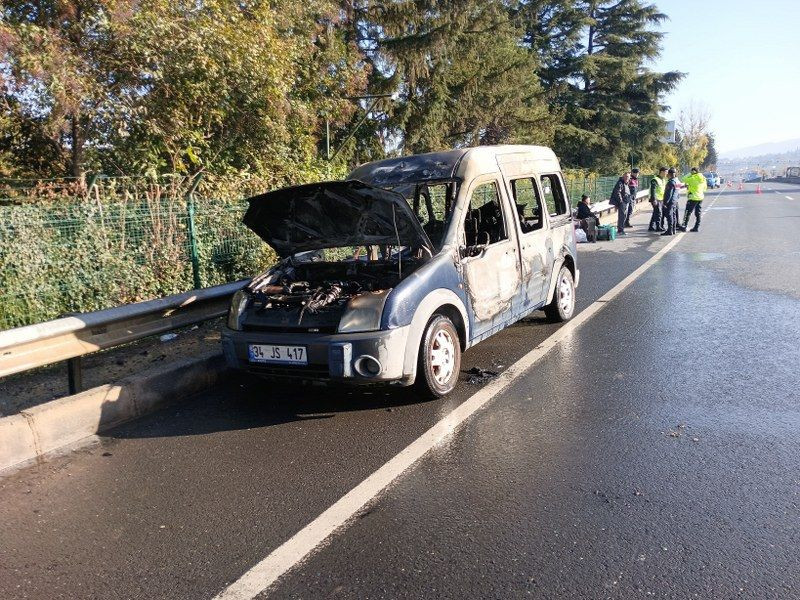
<point x="633" y="184"/>
<point x="620" y="199"/>
<point x="671" y="202"/>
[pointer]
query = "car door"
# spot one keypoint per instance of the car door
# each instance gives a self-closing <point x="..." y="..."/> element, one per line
<point x="533" y="236"/>
<point x="559" y="220"/>
<point x="490" y="259"/>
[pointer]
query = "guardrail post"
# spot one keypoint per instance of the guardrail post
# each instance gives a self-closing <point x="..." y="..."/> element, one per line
<point x="75" y="375"/>
<point x="192" y="234"/>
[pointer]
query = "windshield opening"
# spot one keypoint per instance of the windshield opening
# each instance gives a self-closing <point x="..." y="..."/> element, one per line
<point x="432" y="202"/>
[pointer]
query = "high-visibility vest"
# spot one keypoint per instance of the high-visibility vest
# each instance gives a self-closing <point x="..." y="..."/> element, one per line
<point x="697" y="185"/>
<point x="661" y="184"/>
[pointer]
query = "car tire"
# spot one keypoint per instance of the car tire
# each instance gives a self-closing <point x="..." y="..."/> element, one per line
<point x="439" y="358"/>
<point x="562" y="306"/>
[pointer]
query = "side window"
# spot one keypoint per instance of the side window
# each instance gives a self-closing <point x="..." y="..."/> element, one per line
<point x="484" y="223"/>
<point x="554" y="195"/>
<point x="528" y="203"/>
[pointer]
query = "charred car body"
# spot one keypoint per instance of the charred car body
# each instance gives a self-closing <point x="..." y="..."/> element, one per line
<point x="388" y="276"/>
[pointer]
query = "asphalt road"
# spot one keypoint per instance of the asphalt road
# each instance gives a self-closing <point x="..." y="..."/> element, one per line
<point x="653" y="453"/>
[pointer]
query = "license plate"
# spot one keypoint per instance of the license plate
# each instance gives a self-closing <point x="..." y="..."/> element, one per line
<point x="270" y="353"/>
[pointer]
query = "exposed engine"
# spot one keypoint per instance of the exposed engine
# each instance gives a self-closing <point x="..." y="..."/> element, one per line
<point x="305" y="297"/>
<point x="312" y="296"/>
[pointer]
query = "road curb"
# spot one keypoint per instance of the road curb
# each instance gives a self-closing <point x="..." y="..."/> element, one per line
<point x="43" y="430"/>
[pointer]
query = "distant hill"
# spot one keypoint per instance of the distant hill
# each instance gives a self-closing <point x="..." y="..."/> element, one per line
<point x="762" y="149"/>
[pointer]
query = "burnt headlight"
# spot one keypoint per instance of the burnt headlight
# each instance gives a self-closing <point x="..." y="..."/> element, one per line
<point x="238" y="305"/>
<point x="363" y="312"/>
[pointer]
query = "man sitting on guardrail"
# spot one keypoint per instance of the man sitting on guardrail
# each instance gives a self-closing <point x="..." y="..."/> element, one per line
<point x="587" y="219"/>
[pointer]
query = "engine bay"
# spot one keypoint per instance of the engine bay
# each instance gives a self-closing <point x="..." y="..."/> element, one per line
<point x="313" y="294"/>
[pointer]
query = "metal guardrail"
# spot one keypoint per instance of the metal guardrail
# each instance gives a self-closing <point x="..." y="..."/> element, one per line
<point x="70" y="338"/>
<point x="605" y="206"/>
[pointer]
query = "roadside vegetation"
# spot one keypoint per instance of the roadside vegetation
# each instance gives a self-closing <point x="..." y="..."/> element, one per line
<point x="252" y="95"/>
<point x="128" y="87"/>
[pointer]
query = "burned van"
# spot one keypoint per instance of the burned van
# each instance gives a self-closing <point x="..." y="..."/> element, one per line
<point x="388" y="276"/>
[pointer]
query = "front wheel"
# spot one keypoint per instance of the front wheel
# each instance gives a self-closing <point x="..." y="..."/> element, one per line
<point x="562" y="306"/>
<point x="439" y="359"/>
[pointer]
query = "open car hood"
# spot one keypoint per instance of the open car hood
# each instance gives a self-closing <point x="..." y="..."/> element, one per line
<point x="333" y="214"/>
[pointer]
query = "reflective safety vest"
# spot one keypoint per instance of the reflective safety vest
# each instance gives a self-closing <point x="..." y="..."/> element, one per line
<point x="661" y="184"/>
<point x="696" y="184"/>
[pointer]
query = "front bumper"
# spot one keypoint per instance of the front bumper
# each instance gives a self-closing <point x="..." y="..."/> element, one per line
<point x="331" y="357"/>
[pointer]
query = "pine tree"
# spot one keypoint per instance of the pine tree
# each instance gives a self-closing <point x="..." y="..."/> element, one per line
<point x="552" y="31"/>
<point x="610" y="101"/>
<point x="458" y="72"/>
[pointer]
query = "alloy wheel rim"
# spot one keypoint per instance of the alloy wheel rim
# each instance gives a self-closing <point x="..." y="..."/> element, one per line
<point x="565" y="296"/>
<point x="442" y="357"/>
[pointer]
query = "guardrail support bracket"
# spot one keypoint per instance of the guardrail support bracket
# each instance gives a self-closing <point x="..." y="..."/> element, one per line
<point x="75" y="375"/>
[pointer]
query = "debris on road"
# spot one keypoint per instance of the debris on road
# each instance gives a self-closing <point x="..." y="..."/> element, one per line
<point x="478" y="375"/>
<point x="168" y="337"/>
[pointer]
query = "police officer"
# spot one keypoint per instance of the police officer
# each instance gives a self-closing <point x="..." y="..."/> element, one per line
<point x="657" y="185"/>
<point x="671" y="202"/>
<point x="696" y="184"/>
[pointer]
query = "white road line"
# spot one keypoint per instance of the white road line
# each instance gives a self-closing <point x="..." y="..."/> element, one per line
<point x="790" y="198"/>
<point x="298" y="547"/>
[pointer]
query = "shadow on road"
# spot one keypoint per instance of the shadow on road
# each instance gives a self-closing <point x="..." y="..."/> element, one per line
<point x="249" y="402"/>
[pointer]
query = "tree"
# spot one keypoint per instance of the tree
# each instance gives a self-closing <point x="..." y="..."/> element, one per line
<point x="176" y="86"/>
<point x="710" y="161"/>
<point x="552" y="30"/>
<point x="611" y="103"/>
<point x="457" y="71"/>
<point x="665" y="156"/>
<point x="692" y="134"/>
<point x="153" y="86"/>
<point x="53" y="88"/>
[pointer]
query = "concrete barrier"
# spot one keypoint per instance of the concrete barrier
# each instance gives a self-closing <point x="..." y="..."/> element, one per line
<point x="43" y="430"/>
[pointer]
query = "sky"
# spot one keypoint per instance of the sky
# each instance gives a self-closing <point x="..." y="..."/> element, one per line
<point x="742" y="60"/>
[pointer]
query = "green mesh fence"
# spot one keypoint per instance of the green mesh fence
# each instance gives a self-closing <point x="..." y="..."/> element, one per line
<point x="597" y="188"/>
<point x="118" y="244"/>
<point x="72" y="245"/>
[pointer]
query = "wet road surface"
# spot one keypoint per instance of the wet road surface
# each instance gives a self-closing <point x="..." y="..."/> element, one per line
<point x="655" y="452"/>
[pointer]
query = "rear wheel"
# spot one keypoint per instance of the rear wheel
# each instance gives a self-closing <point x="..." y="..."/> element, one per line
<point x="439" y="359"/>
<point x="562" y="306"/>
